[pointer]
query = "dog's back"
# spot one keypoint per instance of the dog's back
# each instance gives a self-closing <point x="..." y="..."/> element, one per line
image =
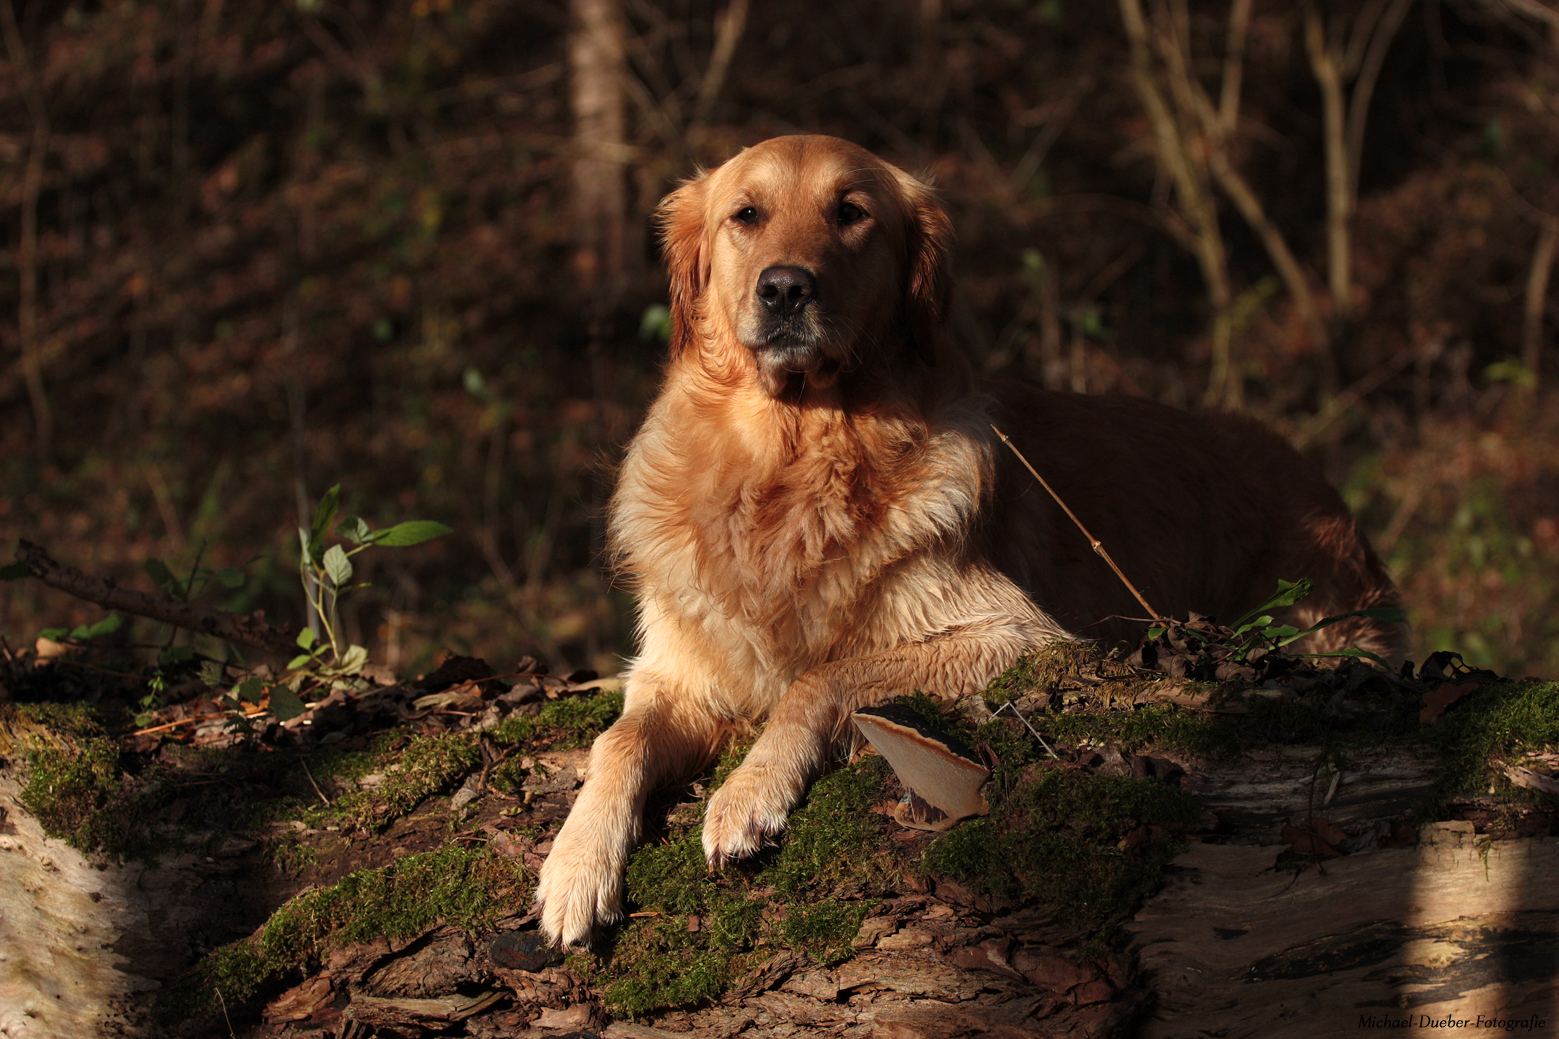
<point x="1202" y="512"/>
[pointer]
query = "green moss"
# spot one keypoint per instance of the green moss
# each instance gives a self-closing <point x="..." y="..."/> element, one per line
<point x="77" y="795"/>
<point x="930" y="711"/>
<point x="1134" y="729"/>
<point x="824" y="929"/>
<point x="833" y="842"/>
<point x="811" y="892"/>
<point x="75" y="786"/>
<point x="568" y="722"/>
<point x="1057" y="835"/>
<point x="463" y="887"/>
<point x="1060" y="837"/>
<point x="583" y="715"/>
<point x="424" y="766"/>
<point x="1498" y="723"/>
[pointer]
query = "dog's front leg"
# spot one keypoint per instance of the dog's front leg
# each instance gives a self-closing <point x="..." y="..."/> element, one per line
<point x="814" y="715"/>
<point x="656" y="740"/>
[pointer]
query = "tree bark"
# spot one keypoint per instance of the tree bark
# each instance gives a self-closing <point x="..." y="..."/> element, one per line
<point x="597" y="55"/>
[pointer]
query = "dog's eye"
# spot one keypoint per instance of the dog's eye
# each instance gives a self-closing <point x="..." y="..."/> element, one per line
<point x="849" y="212"/>
<point x="746" y="215"/>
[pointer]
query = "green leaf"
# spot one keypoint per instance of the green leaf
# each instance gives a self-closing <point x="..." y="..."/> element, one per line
<point x="337" y="566"/>
<point x="354" y="530"/>
<point x="231" y="577"/>
<point x="655" y="324"/>
<point x="324" y="516"/>
<point x="211" y="673"/>
<point x="285" y="703"/>
<point x="103" y="627"/>
<point x="158" y="571"/>
<point x="412" y="532"/>
<point x="14" y="571"/>
<point x="1355" y="651"/>
<point x="306" y="638"/>
<point x="1260" y="622"/>
<point x="53" y="634"/>
<point x="352" y="660"/>
<point x="250" y="689"/>
<point x="301" y="660"/>
<point x="1288" y="594"/>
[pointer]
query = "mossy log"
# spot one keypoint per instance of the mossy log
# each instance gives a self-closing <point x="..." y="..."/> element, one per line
<point x="1302" y="894"/>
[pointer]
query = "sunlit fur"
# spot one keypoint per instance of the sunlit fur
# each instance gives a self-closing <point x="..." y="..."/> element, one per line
<point x="816" y="515"/>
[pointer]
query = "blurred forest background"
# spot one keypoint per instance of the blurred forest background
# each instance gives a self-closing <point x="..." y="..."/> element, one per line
<point x="251" y="250"/>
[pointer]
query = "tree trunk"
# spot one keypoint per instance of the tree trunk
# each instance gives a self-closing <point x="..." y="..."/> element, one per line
<point x="597" y="71"/>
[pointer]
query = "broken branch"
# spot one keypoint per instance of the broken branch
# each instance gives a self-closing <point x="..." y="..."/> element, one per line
<point x="250" y="630"/>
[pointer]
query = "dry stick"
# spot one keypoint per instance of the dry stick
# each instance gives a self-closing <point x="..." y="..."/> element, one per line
<point x="248" y="630"/>
<point x="1097" y="545"/>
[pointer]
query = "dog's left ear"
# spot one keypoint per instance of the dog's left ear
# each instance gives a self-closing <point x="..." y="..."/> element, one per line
<point x="681" y="217"/>
<point x="929" y="239"/>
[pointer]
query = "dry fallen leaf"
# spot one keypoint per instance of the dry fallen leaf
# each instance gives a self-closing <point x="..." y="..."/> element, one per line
<point x="1438" y="700"/>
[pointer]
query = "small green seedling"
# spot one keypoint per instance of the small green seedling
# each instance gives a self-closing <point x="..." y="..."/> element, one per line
<point x="327" y="575"/>
<point x="83" y="632"/>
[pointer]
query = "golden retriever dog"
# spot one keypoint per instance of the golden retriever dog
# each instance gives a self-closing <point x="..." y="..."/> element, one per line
<point x="817" y="516"/>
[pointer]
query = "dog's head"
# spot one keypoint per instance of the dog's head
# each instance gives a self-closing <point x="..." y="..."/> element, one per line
<point x="812" y="255"/>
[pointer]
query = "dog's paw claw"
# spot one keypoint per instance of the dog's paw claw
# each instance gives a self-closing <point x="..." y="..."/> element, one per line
<point x="575" y="895"/>
<point x="750" y="807"/>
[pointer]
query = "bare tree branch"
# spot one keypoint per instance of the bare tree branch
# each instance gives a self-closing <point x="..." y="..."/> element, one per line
<point x="1233" y="67"/>
<point x="1537" y="296"/>
<point x="248" y="630"/>
<point x="1175" y="134"/>
<point x="729" y="25"/>
<point x="1326" y="62"/>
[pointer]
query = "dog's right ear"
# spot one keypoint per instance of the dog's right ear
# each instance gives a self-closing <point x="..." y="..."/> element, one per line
<point x="681" y="217"/>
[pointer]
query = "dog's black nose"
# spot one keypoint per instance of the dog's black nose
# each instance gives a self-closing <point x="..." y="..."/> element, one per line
<point x="785" y="290"/>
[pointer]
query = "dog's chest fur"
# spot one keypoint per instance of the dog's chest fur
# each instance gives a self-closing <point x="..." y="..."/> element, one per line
<point x="779" y="540"/>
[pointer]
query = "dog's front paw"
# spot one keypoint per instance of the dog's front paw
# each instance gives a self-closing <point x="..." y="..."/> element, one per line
<point x="749" y="806"/>
<point x="581" y="888"/>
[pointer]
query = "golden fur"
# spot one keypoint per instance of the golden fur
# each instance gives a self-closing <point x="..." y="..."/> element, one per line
<point x="817" y="516"/>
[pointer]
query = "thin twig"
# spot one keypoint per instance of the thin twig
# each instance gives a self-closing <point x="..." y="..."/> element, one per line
<point x="197" y="719"/>
<point x="312" y="783"/>
<point x="1026" y="725"/>
<point x="1096" y="544"/>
